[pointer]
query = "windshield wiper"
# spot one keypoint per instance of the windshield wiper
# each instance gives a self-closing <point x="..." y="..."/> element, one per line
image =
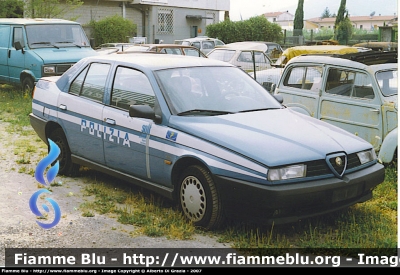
<point x="44" y="43"/>
<point x="205" y="112"/>
<point x="68" y="42"/>
<point x="261" y="109"/>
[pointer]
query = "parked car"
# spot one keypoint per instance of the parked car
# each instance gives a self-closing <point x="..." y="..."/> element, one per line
<point x="249" y="56"/>
<point x="33" y="48"/>
<point x="120" y="46"/>
<point x="271" y="76"/>
<point x="272" y="49"/>
<point x="356" y="92"/>
<point x="203" y="133"/>
<point x="167" y="48"/>
<point x="378" y="46"/>
<point x="203" y="43"/>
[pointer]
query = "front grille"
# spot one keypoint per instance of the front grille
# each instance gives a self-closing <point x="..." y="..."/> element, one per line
<point x="317" y="168"/>
<point x="353" y="161"/>
<point x="328" y="166"/>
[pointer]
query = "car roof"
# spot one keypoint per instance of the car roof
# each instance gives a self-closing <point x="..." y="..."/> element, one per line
<point x="242" y="46"/>
<point x="167" y="46"/>
<point x="156" y="61"/>
<point x="198" y="38"/>
<point x="35" y="21"/>
<point x="374" y="60"/>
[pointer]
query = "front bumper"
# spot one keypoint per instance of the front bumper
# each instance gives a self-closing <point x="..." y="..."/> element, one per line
<point x="282" y="204"/>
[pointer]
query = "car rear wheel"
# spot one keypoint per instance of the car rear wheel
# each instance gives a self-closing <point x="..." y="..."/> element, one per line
<point x="199" y="199"/>
<point x="66" y="166"/>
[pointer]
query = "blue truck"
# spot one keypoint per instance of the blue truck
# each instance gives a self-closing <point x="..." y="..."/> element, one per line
<point x="33" y="48"/>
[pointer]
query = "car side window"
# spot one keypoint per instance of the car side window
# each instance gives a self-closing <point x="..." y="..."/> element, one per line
<point x="90" y="83"/>
<point x="196" y="44"/>
<point x="131" y="87"/>
<point x="191" y="52"/>
<point x="245" y="56"/>
<point x="208" y="45"/>
<point x="304" y="77"/>
<point x="349" y="83"/>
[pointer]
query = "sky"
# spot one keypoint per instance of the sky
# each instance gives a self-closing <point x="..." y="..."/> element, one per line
<point x="242" y="9"/>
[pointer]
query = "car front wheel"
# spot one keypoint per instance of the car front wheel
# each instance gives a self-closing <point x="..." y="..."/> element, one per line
<point x="199" y="199"/>
<point x="27" y="85"/>
<point x="66" y="166"/>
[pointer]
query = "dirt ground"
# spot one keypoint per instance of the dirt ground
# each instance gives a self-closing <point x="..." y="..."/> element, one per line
<point x="18" y="227"/>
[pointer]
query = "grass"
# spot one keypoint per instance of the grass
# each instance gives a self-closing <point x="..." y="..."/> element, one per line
<point x="372" y="224"/>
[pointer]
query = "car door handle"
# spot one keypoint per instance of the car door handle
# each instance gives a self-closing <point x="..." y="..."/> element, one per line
<point x="374" y="110"/>
<point x="63" y="107"/>
<point x="110" y="121"/>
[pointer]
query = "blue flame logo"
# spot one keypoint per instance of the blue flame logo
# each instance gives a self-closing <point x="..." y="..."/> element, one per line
<point x="50" y="175"/>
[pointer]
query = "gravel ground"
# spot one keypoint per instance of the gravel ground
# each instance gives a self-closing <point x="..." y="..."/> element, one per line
<point x="18" y="228"/>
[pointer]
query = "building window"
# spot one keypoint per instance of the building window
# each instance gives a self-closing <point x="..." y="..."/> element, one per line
<point x="210" y="18"/>
<point x="361" y="27"/>
<point x="165" y="21"/>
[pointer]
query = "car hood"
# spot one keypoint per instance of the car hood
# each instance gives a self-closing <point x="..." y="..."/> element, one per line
<point x="64" y="54"/>
<point x="272" y="137"/>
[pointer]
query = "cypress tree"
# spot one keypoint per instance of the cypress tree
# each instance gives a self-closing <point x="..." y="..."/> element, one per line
<point x="298" y="22"/>
<point x="340" y="15"/>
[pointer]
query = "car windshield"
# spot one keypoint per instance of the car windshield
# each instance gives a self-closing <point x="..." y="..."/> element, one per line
<point x="213" y="91"/>
<point x="56" y="35"/>
<point x="387" y="81"/>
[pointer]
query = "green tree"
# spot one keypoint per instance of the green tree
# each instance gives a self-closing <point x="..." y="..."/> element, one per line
<point x="298" y="22"/>
<point x="326" y="13"/>
<point x="256" y="28"/>
<point x="11" y="8"/>
<point x="113" y="29"/>
<point x="50" y="8"/>
<point x="340" y="15"/>
<point x="344" y="31"/>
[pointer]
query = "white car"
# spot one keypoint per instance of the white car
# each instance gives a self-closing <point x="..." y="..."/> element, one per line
<point x="203" y="43"/>
<point x="249" y="56"/>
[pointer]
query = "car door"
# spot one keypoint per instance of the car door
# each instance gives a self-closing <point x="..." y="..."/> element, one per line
<point x="300" y="87"/>
<point x="252" y="60"/>
<point x="4" y="48"/>
<point x="349" y="101"/>
<point x="80" y="112"/>
<point x="127" y="138"/>
<point x="16" y="58"/>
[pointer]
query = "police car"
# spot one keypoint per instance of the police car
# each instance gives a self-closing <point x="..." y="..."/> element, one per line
<point x="203" y="133"/>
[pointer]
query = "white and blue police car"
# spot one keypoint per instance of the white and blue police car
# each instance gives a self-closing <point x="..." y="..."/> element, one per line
<point x="203" y="133"/>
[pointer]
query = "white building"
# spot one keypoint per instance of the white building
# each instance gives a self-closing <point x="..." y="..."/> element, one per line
<point x="166" y="20"/>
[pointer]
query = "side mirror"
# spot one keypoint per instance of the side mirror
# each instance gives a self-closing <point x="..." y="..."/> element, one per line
<point x="145" y="111"/>
<point x="272" y="89"/>
<point x="142" y="111"/>
<point x="18" y="46"/>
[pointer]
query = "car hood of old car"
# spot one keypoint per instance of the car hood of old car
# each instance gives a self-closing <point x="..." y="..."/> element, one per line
<point x="272" y="137"/>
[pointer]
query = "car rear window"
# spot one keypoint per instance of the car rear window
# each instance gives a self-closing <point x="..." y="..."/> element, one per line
<point x="387" y="81"/>
<point x="223" y="55"/>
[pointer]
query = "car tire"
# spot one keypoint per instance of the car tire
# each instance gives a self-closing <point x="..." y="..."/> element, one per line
<point x="199" y="199"/>
<point x="27" y="85"/>
<point x="66" y="166"/>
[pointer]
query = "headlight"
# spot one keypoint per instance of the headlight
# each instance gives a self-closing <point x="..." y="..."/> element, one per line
<point x="49" y="70"/>
<point x="366" y="156"/>
<point x="288" y="172"/>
